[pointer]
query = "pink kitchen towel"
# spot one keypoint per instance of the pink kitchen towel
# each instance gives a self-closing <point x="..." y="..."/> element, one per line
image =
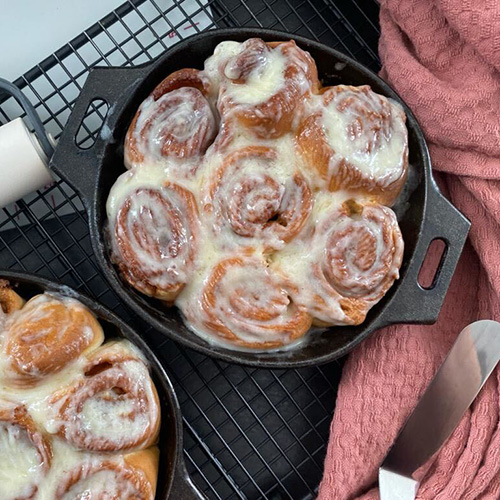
<point x="443" y="58"/>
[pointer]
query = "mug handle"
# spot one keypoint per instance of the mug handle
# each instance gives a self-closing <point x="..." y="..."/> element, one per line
<point x="77" y="166"/>
<point x="412" y="303"/>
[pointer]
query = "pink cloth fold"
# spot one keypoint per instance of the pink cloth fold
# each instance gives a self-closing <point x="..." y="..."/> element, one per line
<point x="443" y="58"/>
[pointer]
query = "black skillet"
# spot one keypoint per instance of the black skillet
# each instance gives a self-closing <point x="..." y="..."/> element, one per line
<point x="92" y="172"/>
<point x="173" y="479"/>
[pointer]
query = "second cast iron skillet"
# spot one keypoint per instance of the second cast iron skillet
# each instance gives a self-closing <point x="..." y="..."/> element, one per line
<point x="427" y="215"/>
<point x="173" y="480"/>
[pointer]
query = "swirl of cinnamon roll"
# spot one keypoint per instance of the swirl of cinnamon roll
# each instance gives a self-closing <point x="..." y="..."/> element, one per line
<point x="46" y="335"/>
<point x="114" y="407"/>
<point x="255" y="312"/>
<point x="253" y="203"/>
<point x="132" y="478"/>
<point x="174" y="122"/>
<point x="356" y="140"/>
<point x="153" y="230"/>
<point x="264" y="83"/>
<point x="356" y="254"/>
<point x="25" y="454"/>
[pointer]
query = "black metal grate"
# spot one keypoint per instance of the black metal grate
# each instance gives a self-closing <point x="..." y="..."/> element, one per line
<point x="249" y="433"/>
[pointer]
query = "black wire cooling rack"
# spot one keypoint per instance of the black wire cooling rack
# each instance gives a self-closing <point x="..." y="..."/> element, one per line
<point x="249" y="433"/>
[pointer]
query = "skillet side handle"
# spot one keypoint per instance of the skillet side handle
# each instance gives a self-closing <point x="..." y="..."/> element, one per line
<point x="413" y="303"/>
<point x="77" y="166"/>
<point x="183" y="487"/>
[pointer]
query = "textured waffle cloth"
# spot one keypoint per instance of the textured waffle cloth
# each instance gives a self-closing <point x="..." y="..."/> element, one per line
<point x="443" y="58"/>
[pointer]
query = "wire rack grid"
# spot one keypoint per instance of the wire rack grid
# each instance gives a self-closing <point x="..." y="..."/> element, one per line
<point x="249" y="433"/>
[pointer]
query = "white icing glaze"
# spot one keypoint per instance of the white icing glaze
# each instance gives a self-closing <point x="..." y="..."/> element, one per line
<point x="150" y="211"/>
<point x="248" y="84"/>
<point x="20" y="467"/>
<point x="262" y="86"/>
<point x="65" y="459"/>
<point x="262" y="83"/>
<point x="150" y="176"/>
<point x="36" y="397"/>
<point x="222" y="53"/>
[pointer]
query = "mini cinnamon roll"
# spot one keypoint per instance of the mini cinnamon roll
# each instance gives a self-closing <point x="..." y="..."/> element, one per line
<point x="132" y="477"/>
<point x="115" y="406"/>
<point x="153" y="232"/>
<point x="355" y="255"/>
<point x="263" y="84"/>
<point x="46" y="335"/>
<point x="175" y="122"/>
<point x="246" y="304"/>
<point x="25" y="454"/>
<point x="356" y="140"/>
<point x="254" y="202"/>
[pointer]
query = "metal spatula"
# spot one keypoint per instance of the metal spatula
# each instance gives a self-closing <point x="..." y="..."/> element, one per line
<point x="469" y="363"/>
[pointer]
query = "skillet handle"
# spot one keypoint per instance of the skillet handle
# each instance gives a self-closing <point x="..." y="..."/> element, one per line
<point x="183" y="487"/>
<point x="413" y="303"/>
<point x="79" y="166"/>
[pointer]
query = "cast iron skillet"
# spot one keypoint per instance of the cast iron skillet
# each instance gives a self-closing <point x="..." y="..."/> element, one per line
<point x="92" y="172"/>
<point x="173" y="479"/>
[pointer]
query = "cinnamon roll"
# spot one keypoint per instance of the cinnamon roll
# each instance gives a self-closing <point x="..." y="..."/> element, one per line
<point x="132" y="478"/>
<point x="354" y="257"/>
<point x="244" y="303"/>
<point x="10" y="301"/>
<point x="263" y="84"/>
<point x="114" y="407"/>
<point x="25" y="454"/>
<point x="175" y="122"/>
<point x="254" y="202"/>
<point x="356" y="139"/>
<point x="46" y="335"/>
<point x="154" y="231"/>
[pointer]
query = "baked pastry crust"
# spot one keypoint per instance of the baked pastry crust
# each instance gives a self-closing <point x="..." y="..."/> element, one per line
<point x="10" y="301"/>
<point x="356" y="256"/>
